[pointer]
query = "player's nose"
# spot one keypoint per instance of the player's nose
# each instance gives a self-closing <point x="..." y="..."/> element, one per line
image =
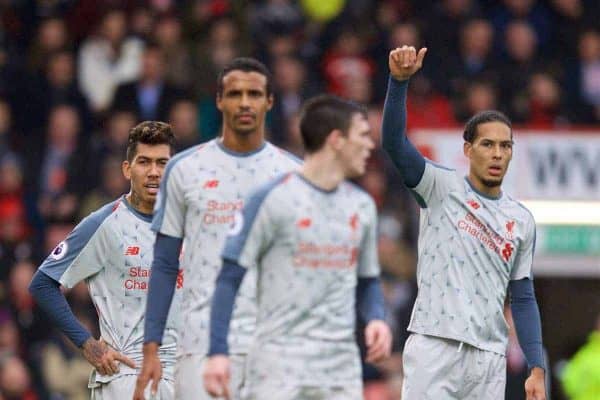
<point x="154" y="170"/>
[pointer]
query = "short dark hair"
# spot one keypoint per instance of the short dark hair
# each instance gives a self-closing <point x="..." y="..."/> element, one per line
<point x="321" y="115"/>
<point x="245" y="64"/>
<point x="149" y="132"/>
<point x="470" y="133"/>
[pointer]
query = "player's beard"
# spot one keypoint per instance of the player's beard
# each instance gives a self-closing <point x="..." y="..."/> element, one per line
<point x="492" y="183"/>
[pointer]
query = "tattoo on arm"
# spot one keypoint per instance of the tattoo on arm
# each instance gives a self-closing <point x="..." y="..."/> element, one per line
<point x="93" y="350"/>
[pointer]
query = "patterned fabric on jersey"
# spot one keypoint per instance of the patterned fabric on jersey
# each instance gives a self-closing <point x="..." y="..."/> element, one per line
<point x="470" y="246"/>
<point x="202" y="189"/>
<point x="310" y="247"/>
<point x="111" y="250"/>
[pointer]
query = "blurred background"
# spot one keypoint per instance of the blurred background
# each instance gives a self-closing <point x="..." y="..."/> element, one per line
<point x="75" y="76"/>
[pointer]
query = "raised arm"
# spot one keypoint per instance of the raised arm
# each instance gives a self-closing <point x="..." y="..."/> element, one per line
<point x="403" y="63"/>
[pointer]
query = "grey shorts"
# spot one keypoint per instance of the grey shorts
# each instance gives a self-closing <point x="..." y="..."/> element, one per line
<point x="437" y="368"/>
<point x="269" y="390"/>
<point x="189" y="384"/>
<point x="124" y="386"/>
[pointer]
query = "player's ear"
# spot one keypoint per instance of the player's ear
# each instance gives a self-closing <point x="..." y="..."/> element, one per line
<point x="270" y="101"/>
<point x="126" y="168"/>
<point x="218" y="101"/>
<point x="467" y="149"/>
<point x="336" y="139"/>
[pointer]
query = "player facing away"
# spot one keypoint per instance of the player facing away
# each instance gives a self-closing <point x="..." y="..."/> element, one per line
<point x="312" y="237"/>
<point x="203" y="188"/>
<point x="111" y="249"/>
<point x="476" y="246"/>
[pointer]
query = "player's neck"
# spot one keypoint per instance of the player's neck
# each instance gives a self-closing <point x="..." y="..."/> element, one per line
<point x="138" y="205"/>
<point x="490" y="191"/>
<point x="322" y="172"/>
<point x="242" y="143"/>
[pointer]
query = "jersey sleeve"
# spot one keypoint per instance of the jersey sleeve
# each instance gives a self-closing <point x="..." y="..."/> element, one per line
<point x="253" y="230"/>
<point x="170" y="207"/>
<point x="368" y="261"/>
<point x="435" y="184"/>
<point x="522" y="267"/>
<point x="82" y="254"/>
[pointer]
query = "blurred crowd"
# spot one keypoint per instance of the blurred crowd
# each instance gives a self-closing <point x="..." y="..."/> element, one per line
<point x="75" y="76"/>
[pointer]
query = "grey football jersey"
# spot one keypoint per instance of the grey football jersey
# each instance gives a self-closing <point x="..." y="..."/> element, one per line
<point x="309" y="247"/>
<point x="112" y="251"/>
<point x="202" y="189"/>
<point x="470" y="246"/>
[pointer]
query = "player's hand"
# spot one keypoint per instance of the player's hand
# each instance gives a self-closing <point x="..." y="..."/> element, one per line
<point x="151" y="371"/>
<point x="535" y="387"/>
<point x="405" y="61"/>
<point x="103" y="357"/>
<point x="378" y="338"/>
<point x="216" y="376"/>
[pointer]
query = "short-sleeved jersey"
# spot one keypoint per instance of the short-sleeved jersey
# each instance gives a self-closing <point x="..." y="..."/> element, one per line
<point x="112" y="250"/>
<point x="309" y="246"/>
<point x="202" y="189"/>
<point x="470" y="246"/>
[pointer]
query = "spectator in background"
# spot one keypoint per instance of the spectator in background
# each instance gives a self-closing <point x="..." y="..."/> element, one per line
<point x="151" y="96"/>
<point x="516" y="71"/>
<point x="293" y="141"/>
<point x="167" y="34"/>
<point x="567" y="21"/>
<point x="30" y="321"/>
<point x="15" y="379"/>
<point x="221" y="45"/>
<point x="478" y="96"/>
<point x="583" y="79"/>
<point x="532" y="12"/>
<point x="398" y="35"/>
<point x="346" y="64"/>
<point x="544" y="109"/>
<point x="15" y="226"/>
<point x="183" y="119"/>
<point x="141" y="23"/>
<point x="107" y="59"/>
<point x="112" y="140"/>
<point x="57" y="81"/>
<point x="51" y="36"/>
<point x="10" y="341"/>
<point x="581" y="376"/>
<point x="427" y="108"/>
<point x="291" y="89"/>
<point x="56" y="160"/>
<point x="109" y="142"/>
<point x="443" y="25"/>
<point x="474" y="59"/>
<point x="8" y="138"/>
<point x="273" y="18"/>
<point x="111" y="186"/>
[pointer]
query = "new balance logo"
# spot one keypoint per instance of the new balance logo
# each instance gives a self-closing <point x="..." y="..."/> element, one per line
<point x="132" y="251"/>
<point x="211" y="184"/>
<point x="304" y="223"/>
<point x="473" y="204"/>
